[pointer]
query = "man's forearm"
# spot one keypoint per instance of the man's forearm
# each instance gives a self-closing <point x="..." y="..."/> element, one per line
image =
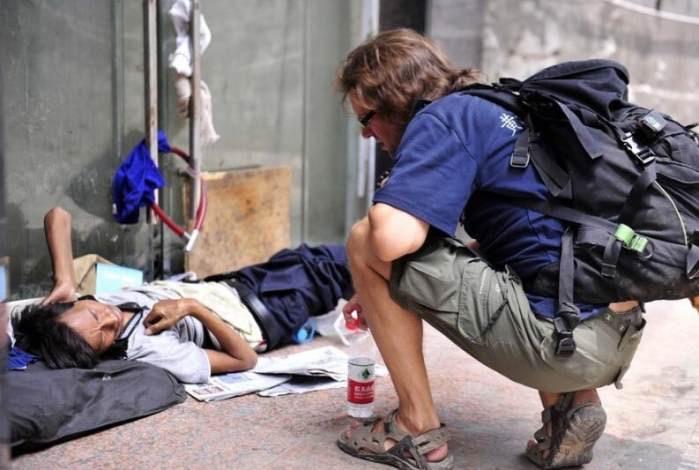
<point x="57" y="227"/>
<point x="231" y="342"/>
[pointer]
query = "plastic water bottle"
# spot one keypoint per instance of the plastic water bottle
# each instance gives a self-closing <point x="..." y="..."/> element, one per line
<point x="360" y="367"/>
<point x="305" y="332"/>
<point x="325" y="324"/>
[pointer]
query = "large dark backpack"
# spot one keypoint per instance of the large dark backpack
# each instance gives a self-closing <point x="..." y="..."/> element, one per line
<point x="624" y="177"/>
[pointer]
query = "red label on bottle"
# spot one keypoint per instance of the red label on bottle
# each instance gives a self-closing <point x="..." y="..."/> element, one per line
<point x="360" y="393"/>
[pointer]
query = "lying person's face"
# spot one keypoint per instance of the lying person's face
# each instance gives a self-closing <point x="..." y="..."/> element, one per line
<point x="98" y="324"/>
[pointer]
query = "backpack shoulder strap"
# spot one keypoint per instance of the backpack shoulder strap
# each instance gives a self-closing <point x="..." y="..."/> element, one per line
<point x="498" y="94"/>
<point x="505" y="95"/>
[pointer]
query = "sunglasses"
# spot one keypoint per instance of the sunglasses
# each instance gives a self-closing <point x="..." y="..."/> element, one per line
<point x="364" y="120"/>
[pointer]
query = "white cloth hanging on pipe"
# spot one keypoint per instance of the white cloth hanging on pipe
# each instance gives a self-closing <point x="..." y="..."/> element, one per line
<point x="183" y="90"/>
<point x="181" y="59"/>
<point x="181" y="63"/>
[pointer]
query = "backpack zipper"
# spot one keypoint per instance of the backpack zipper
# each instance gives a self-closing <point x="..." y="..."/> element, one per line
<point x="677" y="212"/>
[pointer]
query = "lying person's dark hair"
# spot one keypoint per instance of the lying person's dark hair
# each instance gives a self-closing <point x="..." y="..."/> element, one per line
<point x="40" y="332"/>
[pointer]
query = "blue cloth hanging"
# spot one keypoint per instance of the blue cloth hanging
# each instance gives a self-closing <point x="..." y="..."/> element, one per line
<point x="136" y="180"/>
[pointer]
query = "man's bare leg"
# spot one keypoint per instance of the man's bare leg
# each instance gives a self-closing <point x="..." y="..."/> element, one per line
<point x="398" y="335"/>
<point x="581" y="397"/>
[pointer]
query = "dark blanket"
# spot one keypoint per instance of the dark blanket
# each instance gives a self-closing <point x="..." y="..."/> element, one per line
<point x="297" y="283"/>
<point x="44" y="406"/>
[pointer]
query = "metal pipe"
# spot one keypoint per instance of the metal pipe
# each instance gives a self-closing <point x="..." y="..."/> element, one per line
<point x="118" y="93"/>
<point x="195" y="108"/>
<point x="306" y="36"/>
<point x="361" y="153"/>
<point x="367" y="147"/>
<point x="151" y="76"/>
<point x="118" y="96"/>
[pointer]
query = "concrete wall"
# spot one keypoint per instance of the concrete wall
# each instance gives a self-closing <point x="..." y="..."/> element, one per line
<point x="660" y="53"/>
<point x="457" y="25"/>
<point x="71" y="103"/>
<point x="72" y="94"/>
<point x="329" y="36"/>
<point x="506" y="38"/>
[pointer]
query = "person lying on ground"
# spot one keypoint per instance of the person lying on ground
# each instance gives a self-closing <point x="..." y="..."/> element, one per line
<point x="192" y="330"/>
<point x="451" y="159"/>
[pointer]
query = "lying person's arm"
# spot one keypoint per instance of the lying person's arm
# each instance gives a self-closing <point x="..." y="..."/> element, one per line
<point x="57" y="228"/>
<point x="235" y="355"/>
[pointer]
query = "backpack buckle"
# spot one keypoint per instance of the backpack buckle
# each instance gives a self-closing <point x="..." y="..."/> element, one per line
<point x="652" y="124"/>
<point x="521" y="155"/>
<point x="642" y="152"/>
<point x="518" y="160"/>
<point x="630" y="239"/>
<point x="565" y="344"/>
<point x="568" y="317"/>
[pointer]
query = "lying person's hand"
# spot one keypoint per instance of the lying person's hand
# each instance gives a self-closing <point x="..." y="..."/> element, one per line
<point x="166" y="313"/>
<point x="61" y="292"/>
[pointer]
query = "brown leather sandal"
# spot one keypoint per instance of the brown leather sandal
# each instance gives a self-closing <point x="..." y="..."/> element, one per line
<point x="573" y="433"/>
<point x="407" y="454"/>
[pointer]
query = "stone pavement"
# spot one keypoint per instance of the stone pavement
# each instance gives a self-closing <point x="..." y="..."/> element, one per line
<point x="652" y="424"/>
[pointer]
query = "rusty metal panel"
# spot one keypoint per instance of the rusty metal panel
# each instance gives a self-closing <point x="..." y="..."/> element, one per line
<point x="247" y="220"/>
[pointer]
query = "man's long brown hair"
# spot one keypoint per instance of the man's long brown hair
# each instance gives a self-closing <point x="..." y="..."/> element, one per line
<point x="390" y="72"/>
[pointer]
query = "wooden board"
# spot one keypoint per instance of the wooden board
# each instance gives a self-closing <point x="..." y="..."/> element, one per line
<point x="247" y="220"/>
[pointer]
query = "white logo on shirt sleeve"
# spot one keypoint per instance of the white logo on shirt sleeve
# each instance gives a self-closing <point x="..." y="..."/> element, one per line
<point x="509" y="122"/>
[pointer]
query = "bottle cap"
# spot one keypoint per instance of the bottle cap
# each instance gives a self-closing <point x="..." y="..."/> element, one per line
<point x="347" y="330"/>
<point x="301" y="336"/>
<point x="306" y="332"/>
<point x="352" y="323"/>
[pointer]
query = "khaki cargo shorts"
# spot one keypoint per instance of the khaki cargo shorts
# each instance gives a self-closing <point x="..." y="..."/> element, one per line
<point x="486" y="313"/>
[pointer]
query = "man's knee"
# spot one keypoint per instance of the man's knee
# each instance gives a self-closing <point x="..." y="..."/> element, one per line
<point x="359" y="252"/>
<point x="357" y="243"/>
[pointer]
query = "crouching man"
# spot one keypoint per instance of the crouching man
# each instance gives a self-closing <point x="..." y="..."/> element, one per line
<point x="452" y="166"/>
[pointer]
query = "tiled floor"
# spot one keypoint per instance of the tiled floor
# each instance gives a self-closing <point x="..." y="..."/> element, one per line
<point x="653" y="423"/>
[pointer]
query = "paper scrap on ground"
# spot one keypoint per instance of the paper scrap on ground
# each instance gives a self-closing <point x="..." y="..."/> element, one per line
<point x="298" y="385"/>
<point x="325" y="362"/>
<point x="316" y="369"/>
<point x="234" y="384"/>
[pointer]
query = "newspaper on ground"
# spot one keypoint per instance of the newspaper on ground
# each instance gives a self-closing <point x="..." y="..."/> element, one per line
<point x="234" y="384"/>
<point x="300" y="384"/>
<point x="316" y="369"/>
<point x="327" y="361"/>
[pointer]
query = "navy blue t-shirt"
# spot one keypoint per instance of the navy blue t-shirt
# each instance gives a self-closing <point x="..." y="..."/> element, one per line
<point x="453" y="153"/>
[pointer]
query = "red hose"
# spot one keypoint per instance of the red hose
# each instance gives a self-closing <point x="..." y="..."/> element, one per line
<point x="167" y="220"/>
<point x="201" y="209"/>
<point x="203" y="206"/>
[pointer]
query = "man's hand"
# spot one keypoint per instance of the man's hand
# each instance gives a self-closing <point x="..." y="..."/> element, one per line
<point x="166" y="313"/>
<point x="61" y="292"/>
<point x="352" y="312"/>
